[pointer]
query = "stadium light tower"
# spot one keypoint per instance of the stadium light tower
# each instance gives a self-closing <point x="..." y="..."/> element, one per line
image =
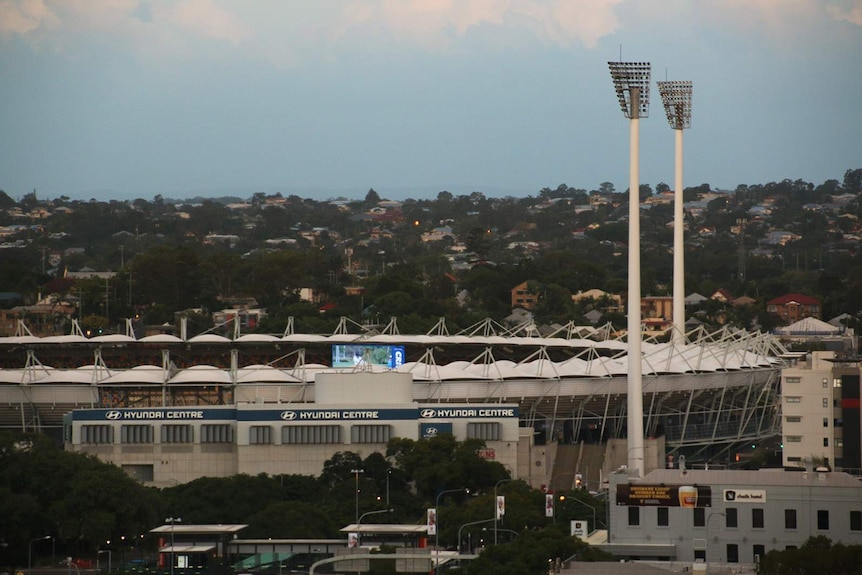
<point x="632" y="83"/>
<point x="676" y="97"/>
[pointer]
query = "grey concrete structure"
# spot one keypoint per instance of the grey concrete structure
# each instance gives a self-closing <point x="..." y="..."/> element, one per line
<point x="358" y="412"/>
<point x="721" y="516"/>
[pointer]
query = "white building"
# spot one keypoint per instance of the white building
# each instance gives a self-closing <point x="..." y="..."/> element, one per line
<point x="820" y="412"/>
<point x="356" y="411"/>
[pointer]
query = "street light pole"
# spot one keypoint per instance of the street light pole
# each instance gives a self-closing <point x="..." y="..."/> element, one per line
<point x="472" y="523"/>
<point x="437" y="527"/>
<point x="356" y="473"/>
<point x="173" y="521"/>
<point x="496" y="513"/>
<point x="30" y="551"/>
<point x="359" y="522"/>
<point x="108" y="551"/>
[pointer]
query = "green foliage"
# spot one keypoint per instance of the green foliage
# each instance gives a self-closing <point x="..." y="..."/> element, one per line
<point x="818" y="556"/>
<point x="531" y="553"/>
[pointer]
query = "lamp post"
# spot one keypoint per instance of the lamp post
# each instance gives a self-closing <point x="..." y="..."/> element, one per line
<point x="631" y="83"/>
<point x="30" y="551"/>
<point x="173" y="521"/>
<point x="356" y="473"/>
<point x="99" y="553"/>
<point x="472" y="523"/>
<point x="676" y="97"/>
<point x="437" y="530"/>
<point x="361" y="517"/>
<point x="592" y="509"/>
<point x="496" y="513"/>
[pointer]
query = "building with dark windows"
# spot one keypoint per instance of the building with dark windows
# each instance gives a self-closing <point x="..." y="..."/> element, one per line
<point x="358" y="412"/>
<point x="729" y="517"/>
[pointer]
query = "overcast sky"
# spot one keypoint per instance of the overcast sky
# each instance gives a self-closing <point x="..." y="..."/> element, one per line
<point x="131" y="98"/>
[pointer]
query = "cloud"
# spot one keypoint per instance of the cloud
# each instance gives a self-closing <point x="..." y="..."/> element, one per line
<point x="205" y="18"/>
<point x="23" y="16"/>
<point x="436" y="23"/>
<point x="851" y="13"/>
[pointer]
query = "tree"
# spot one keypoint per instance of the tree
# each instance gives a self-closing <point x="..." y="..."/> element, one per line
<point x="372" y="198"/>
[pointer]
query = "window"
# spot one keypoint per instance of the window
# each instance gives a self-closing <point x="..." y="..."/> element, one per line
<point x="793" y="398"/>
<point x="825" y="442"/>
<point x="793" y="439"/>
<point x="663" y="520"/>
<point x="836" y="382"/>
<point x="793" y="379"/>
<point x="177" y="434"/>
<point x="370" y="433"/>
<point x="634" y="516"/>
<point x="822" y="519"/>
<point x="839" y="422"/>
<point x="757" y="518"/>
<point x="136" y="434"/>
<point x="699" y="517"/>
<point x="730" y="519"/>
<point x="94" y="434"/>
<point x="260" y="435"/>
<point x="484" y="431"/>
<point x="825" y="382"/>
<point x="825" y="422"/>
<point x="217" y="433"/>
<point x="825" y="402"/>
<point x="790" y="519"/>
<point x="732" y="553"/>
<point x="311" y="434"/>
<point x="856" y="521"/>
<point x="839" y="442"/>
<point x="759" y="552"/>
<point x="794" y="458"/>
<point x="700" y="554"/>
<point x="793" y="419"/>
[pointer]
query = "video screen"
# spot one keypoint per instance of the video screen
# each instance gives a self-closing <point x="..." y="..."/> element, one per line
<point x="356" y="355"/>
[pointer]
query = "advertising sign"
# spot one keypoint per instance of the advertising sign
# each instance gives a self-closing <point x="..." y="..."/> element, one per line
<point x="664" y="495"/>
<point x="432" y="521"/>
<point x="429" y="430"/>
<point x="744" y="495"/>
<point x="580" y="528"/>
<point x="355" y="355"/>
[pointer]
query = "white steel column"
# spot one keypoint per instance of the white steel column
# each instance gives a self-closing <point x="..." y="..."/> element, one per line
<point x="632" y="83"/>
<point x="678" y="248"/>
<point x="635" y="409"/>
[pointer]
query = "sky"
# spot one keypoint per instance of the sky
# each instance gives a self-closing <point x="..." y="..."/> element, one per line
<point x="125" y="99"/>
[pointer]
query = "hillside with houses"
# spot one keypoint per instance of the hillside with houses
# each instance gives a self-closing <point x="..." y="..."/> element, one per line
<point x="760" y="257"/>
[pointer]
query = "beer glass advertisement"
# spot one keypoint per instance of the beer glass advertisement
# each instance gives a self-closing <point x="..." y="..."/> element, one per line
<point x="664" y="495"/>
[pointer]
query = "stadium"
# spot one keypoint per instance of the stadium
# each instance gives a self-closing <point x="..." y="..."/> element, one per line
<point x="703" y="397"/>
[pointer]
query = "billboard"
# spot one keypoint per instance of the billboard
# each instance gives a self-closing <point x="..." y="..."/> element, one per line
<point x="664" y="495"/>
<point x="356" y="355"/>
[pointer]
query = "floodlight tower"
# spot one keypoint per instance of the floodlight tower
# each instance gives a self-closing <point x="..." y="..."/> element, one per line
<point x="676" y="97"/>
<point x="632" y="82"/>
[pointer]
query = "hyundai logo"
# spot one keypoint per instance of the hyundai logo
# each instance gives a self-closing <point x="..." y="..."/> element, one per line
<point x="427" y="413"/>
<point x="112" y="415"/>
<point x="431" y="431"/>
<point x="288" y="415"/>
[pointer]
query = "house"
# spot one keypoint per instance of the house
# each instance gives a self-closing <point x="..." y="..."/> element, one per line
<point x="794" y="306"/>
<point x="721" y="295"/>
<point x="600" y="300"/>
<point x="695" y="299"/>
<point x="525" y="294"/>
<point x="657" y="312"/>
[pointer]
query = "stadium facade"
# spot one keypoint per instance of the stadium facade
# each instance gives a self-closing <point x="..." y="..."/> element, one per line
<point x="549" y="408"/>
